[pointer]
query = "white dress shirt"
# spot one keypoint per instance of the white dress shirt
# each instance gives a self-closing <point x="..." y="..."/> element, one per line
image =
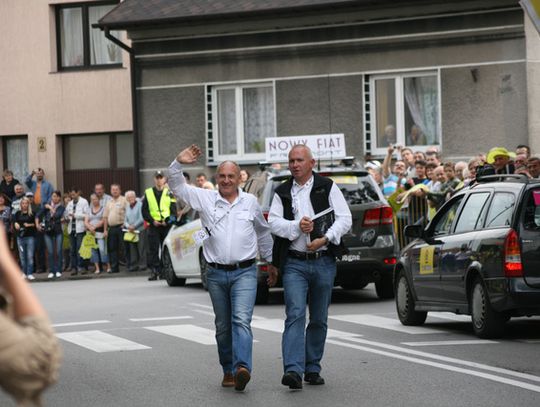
<point x="290" y="229"/>
<point x="236" y="229"/>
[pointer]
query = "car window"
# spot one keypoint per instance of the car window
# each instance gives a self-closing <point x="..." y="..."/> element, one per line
<point x="531" y="220"/>
<point x="473" y="212"/>
<point x="502" y="208"/>
<point x="355" y="189"/>
<point x="445" y="217"/>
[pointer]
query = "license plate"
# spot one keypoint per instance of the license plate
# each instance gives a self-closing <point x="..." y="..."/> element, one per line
<point x="349" y="258"/>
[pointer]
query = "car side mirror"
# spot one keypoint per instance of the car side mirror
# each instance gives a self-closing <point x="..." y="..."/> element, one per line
<point x="414" y="231"/>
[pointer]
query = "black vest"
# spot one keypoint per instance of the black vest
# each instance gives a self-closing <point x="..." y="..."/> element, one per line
<point x="319" y="200"/>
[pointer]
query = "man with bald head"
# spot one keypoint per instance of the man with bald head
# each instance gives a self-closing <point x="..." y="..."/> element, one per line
<point x="305" y="253"/>
<point x="233" y="231"/>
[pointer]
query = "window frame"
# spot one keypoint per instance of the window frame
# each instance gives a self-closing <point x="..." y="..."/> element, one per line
<point x="240" y="156"/>
<point x="84" y="6"/>
<point x="401" y="134"/>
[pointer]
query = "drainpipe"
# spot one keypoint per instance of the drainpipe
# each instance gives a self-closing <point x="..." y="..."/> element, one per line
<point x="133" y="102"/>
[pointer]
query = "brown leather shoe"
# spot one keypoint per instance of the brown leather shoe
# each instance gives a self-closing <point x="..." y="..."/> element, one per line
<point x="228" y="380"/>
<point x="241" y="378"/>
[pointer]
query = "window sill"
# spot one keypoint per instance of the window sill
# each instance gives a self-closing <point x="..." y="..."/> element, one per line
<point x="89" y="69"/>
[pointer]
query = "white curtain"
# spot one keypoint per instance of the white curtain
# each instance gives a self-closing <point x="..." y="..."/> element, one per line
<point x="17" y="157"/>
<point x="71" y="37"/>
<point x="102" y="50"/>
<point x="258" y="118"/>
<point x="226" y="121"/>
<point x="422" y="100"/>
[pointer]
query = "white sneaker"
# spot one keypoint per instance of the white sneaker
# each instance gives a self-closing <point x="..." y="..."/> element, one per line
<point x="51" y="275"/>
<point x="58" y="275"/>
<point x="31" y="277"/>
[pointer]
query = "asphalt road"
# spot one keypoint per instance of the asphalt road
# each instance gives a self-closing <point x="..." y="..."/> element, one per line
<point x="130" y="342"/>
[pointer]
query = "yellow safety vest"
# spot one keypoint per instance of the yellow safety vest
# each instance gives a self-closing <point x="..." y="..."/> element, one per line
<point x="163" y="211"/>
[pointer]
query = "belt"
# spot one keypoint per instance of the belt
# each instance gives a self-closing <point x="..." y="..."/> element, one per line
<point x="232" y="267"/>
<point x="308" y="255"/>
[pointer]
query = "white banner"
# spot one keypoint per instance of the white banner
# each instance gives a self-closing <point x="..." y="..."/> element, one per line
<point x="323" y="146"/>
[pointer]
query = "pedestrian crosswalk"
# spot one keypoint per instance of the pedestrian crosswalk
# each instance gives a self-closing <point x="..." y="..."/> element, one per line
<point x="185" y="328"/>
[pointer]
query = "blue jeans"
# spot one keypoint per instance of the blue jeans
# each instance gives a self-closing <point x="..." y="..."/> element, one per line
<point x="302" y="348"/>
<point x="54" y="251"/>
<point x="100" y="255"/>
<point x="26" y="254"/>
<point x="233" y="297"/>
<point x="75" y="240"/>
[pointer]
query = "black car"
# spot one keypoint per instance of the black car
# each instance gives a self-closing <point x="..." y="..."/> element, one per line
<point x="371" y="243"/>
<point x="480" y="255"/>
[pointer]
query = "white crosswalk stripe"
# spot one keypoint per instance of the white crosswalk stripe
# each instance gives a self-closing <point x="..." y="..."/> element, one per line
<point x="384" y="323"/>
<point x="100" y="342"/>
<point x="277" y="325"/>
<point x="188" y="332"/>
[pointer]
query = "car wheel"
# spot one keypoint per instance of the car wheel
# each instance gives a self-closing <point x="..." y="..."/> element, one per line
<point x="353" y="286"/>
<point x="168" y="271"/>
<point x="204" y="270"/>
<point x="384" y="288"/>
<point x="487" y="323"/>
<point x="405" y="304"/>
<point x="263" y="292"/>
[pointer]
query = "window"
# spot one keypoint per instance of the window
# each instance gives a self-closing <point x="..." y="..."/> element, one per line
<point x="502" y="209"/>
<point x="445" y="217"/>
<point x="80" y="45"/>
<point x="404" y="109"/>
<point x="473" y="212"/>
<point x="531" y="217"/>
<point x="240" y="120"/>
<point x="15" y="151"/>
<point x="107" y="151"/>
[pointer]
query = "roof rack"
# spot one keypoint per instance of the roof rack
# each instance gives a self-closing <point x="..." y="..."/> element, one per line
<point x="521" y="178"/>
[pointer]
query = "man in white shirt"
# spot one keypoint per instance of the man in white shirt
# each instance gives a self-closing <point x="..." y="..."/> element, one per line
<point x="74" y="215"/>
<point x="233" y="229"/>
<point x="307" y="263"/>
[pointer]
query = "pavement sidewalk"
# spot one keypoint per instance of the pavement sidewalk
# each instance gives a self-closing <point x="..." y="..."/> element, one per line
<point x="66" y="275"/>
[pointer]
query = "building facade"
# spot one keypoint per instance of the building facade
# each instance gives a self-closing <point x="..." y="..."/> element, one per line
<point x="66" y="95"/>
<point x="225" y="75"/>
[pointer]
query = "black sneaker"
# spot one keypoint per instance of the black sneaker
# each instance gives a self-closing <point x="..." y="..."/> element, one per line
<point x="313" y="378"/>
<point x="153" y="277"/>
<point x="293" y="380"/>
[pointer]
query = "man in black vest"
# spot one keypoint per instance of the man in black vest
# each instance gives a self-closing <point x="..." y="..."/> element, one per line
<point x="305" y="250"/>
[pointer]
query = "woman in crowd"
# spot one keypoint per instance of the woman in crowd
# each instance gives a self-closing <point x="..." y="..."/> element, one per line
<point x="94" y="224"/>
<point x="24" y="223"/>
<point x="50" y="223"/>
<point x="133" y="226"/>
<point x="66" y="247"/>
<point x="5" y="211"/>
<point x="244" y="176"/>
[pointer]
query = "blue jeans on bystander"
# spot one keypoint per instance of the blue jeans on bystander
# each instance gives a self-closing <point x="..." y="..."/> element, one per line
<point x="54" y="245"/>
<point x="303" y="348"/>
<point x="26" y="254"/>
<point x="233" y="296"/>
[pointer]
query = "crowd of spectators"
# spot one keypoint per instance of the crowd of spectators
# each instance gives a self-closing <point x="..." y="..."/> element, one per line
<point x="417" y="183"/>
<point x="47" y="229"/>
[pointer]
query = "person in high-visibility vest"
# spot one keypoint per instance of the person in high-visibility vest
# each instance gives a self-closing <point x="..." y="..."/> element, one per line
<point x="159" y="212"/>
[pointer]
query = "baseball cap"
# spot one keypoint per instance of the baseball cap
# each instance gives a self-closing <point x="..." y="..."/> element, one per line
<point x="29" y="193"/>
<point x="158" y="173"/>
